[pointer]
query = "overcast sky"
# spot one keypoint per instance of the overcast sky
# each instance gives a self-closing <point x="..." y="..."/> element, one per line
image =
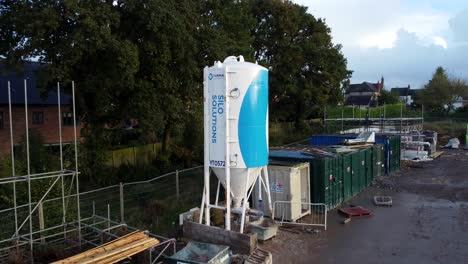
<point x="402" y="40"/>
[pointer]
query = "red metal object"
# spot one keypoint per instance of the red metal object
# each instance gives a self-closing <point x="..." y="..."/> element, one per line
<point x="355" y="212"/>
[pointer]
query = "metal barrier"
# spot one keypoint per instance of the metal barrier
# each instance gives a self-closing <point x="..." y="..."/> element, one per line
<point x="317" y="217"/>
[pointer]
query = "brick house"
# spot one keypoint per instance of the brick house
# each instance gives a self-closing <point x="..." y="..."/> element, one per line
<point x="42" y="110"/>
<point x="363" y="95"/>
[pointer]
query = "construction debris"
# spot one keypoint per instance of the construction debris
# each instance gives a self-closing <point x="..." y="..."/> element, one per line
<point x="265" y="228"/>
<point x="347" y="220"/>
<point x="197" y="252"/>
<point x="114" y="251"/>
<point x="362" y="138"/>
<point x="436" y="154"/>
<point x="260" y="256"/>
<point x="453" y="143"/>
<point x="383" y="200"/>
<point x="415" y="155"/>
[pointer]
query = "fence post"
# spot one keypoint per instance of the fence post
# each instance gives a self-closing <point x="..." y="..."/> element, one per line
<point x="177" y="183"/>
<point x="134" y="157"/>
<point x="122" y="212"/>
<point x="41" y="221"/>
<point x="108" y="217"/>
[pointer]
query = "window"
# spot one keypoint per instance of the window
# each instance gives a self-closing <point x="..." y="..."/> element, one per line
<point x="38" y="118"/>
<point x="1" y="120"/>
<point x="67" y="119"/>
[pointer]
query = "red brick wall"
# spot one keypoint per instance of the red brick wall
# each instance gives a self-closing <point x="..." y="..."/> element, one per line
<point x="49" y="130"/>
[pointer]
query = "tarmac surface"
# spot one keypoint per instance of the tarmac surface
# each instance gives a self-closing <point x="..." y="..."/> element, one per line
<point x="428" y="222"/>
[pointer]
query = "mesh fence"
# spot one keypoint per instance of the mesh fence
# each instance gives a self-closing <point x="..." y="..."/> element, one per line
<point x="154" y="205"/>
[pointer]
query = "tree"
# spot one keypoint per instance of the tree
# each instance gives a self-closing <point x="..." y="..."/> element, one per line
<point x="75" y="40"/>
<point x="144" y="59"/>
<point x="441" y="92"/>
<point x="386" y="97"/>
<point x="306" y="68"/>
<point x="169" y="81"/>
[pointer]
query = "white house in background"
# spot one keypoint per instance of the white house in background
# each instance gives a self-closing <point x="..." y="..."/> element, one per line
<point x="460" y="102"/>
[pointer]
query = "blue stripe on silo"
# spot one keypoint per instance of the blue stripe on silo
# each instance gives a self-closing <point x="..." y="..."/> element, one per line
<point x="252" y="127"/>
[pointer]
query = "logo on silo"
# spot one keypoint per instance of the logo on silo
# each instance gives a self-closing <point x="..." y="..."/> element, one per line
<point x="217" y="108"/>
<point x="212" y="76"/>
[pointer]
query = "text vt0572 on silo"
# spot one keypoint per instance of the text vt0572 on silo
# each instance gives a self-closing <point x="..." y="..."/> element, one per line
<point x="236" y="135"/>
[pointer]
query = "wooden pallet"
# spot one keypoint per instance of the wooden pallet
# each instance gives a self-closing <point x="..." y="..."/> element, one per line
<point x="436" y="154"/>
<point x="114" y="251"/>
<point x="355" y="212"/>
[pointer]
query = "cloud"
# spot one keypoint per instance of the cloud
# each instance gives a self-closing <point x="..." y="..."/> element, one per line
<point x="404" y="41"/>
<point x="440" y="41"/>
<point x="459" y="26"/>
<point x="411" y="61"/>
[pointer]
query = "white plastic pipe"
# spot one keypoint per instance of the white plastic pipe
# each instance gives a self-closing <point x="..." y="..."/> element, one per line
<point x="206" y="168"/>
<point x="227" y="149"/>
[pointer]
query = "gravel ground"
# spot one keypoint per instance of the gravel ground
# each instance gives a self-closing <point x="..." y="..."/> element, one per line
<point x="428" y="222"/>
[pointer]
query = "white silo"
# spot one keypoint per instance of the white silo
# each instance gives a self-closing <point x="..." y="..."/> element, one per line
<point x="236" y="132"/>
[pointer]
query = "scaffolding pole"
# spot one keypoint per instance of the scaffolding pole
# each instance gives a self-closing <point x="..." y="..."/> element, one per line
<point x="76" y="165"/>
<point x="12" y="143"/>
<point x="31" y="246"/>
<point x="64" y="214"/>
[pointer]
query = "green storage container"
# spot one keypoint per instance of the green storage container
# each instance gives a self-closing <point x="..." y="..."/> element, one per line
<point x="338" y="178"/>
<point x="378" y="160"/>
<point x="326" y="181"/>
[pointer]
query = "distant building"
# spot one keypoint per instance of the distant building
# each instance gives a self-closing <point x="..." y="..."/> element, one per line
<point x="405" y="94"/>
<point x="460" y="102"/>
<point x="42" y="111"/>
<point x="363" y="95"/>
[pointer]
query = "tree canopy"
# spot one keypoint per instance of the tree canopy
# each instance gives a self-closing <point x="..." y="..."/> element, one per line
<point x="144" y="59"/>
<point x="441" y="92"/>
<point x="387" y="97"/>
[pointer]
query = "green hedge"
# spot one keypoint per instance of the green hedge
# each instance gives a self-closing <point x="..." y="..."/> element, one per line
<point x="138" y="155"/>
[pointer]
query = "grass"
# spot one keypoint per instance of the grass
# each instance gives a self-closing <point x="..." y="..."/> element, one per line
<point x="286" y="132"/>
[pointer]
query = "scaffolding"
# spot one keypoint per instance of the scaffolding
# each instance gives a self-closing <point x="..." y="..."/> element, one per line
<point x="24" y="226"/>
<point x="380" y="124"/>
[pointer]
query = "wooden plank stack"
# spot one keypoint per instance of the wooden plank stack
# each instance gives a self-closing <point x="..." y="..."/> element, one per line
<point x="114" y="251"/>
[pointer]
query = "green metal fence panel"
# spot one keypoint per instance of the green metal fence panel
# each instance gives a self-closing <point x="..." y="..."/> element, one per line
<point x="368" y="166"/>
<point x="347" y="176"/>
<point x="394" y="157"/>
<point x="338" y="179"/>
<point x="356" y="173"/>
<point x="378" y="160"/>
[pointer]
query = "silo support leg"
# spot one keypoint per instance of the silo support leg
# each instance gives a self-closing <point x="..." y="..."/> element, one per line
<point x="244" y="204"/>
<point x="267" y="183"/>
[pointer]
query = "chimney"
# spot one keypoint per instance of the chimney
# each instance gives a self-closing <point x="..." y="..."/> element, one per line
<point x="381" y="84"/>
